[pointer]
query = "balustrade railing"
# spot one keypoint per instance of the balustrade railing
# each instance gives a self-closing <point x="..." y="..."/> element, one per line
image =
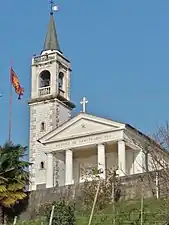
<point x="44" y="91"/>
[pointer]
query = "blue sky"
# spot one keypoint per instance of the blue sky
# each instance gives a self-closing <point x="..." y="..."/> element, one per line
<point x="119" y="52"/>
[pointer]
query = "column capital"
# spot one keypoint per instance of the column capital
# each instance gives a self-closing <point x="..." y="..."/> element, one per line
<point x="68" y="151"/>
<point x="100" y="144"/>
<point x="49" y="154"/>
<point x="121" y="140"/>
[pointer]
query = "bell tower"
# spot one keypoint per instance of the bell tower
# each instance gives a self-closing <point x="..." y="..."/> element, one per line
<point x="50" y="103"/>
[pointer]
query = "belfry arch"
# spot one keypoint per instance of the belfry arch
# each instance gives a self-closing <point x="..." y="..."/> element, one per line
<point x="44" y="78"/>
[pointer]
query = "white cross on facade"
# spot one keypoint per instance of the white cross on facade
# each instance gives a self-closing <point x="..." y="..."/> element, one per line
<point x="83" y="103"/>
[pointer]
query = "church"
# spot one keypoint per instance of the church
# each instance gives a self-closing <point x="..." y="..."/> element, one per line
<point x="62" y="147"/>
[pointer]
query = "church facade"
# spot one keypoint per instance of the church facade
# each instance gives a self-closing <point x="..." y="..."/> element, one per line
<point x="86" y="142"/>
<point x="62" y="148"/>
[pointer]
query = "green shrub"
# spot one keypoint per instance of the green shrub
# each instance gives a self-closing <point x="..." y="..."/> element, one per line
<point x="64" y="213"/>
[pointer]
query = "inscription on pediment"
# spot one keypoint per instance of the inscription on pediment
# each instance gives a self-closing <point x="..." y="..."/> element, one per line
<point x="99" y="138"/>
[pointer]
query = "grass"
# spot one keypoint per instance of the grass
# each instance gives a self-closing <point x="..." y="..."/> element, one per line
<point x="128" y="212"/>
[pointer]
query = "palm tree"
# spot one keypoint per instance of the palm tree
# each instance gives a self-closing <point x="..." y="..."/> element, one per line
<point x="14" y="175"/>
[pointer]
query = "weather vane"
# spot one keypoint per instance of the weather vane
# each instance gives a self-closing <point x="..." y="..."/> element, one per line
<point x="53" y="7"/>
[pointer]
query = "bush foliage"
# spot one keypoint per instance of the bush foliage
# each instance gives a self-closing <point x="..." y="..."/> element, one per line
<point x="109" y="188"/>
<point x="64" y="213"/>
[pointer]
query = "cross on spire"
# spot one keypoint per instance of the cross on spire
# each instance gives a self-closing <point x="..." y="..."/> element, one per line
<point x="53" y="7"/>
<point x="84" y="103"/>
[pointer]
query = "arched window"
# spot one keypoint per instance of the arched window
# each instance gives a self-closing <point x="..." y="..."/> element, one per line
<point x="42" y="128"/>
<point x="60" y="82"/>
<point x="44" y="79"/>
<point x="42" y="165"/>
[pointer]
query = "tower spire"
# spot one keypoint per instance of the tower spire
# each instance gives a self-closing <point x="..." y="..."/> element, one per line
<point x="51" y="40"/>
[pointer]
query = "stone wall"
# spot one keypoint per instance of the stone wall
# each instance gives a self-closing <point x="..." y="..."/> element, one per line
<point x="131" y="187"/>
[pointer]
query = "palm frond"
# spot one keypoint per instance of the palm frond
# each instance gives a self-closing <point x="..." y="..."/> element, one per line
<point x="3" y="195"/>
<point x="19" y="195"/>
<point x="3" y="189"/>
<point x="15" y="186"/>
<point x="7" y="202"/>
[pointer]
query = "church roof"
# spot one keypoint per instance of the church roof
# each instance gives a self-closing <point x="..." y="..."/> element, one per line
<point x="51" y="41"/>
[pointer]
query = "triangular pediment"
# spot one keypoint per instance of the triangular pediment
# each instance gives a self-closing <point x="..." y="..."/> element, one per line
<point x="81" y="125"/>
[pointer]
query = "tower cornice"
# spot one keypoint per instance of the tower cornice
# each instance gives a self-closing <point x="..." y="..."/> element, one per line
<point x="52" y="98"/>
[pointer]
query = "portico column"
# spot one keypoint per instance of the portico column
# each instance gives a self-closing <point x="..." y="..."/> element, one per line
<point x="69" y="167"/>
<point x="101" y="160"/>
<point x="121" y="158"/>
<point x="49" y="171"/>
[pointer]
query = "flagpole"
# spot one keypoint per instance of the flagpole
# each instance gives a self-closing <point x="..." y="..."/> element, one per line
<point x="10" y="109"/>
